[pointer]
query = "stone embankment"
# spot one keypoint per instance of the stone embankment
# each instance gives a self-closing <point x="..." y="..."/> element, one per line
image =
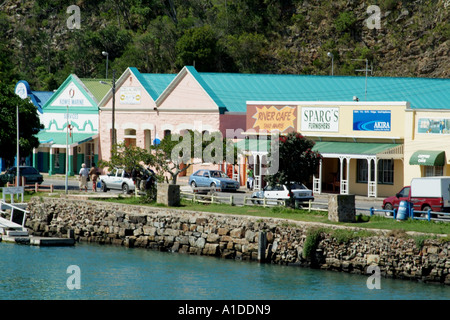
<point x="240" y="237"/>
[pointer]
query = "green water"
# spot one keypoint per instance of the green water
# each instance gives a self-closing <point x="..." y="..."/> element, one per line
<point x="109" y="272"/>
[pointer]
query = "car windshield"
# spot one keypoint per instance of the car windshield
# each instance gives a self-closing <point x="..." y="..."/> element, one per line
<point x="297" y="186"/>
<point x="217" y="174"/>
<point x="28" y="170"/>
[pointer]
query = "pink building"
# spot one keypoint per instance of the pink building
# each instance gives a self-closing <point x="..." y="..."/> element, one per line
<point x="149" y="106"/>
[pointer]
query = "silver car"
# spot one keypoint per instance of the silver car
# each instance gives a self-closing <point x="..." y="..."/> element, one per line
<point x="117" y="179"/>
<point x="280" y="192"/>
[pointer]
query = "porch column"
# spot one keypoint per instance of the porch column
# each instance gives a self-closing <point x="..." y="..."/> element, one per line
<point x="347" y="160"/>
<point x="317" y="182"/>
<point x="375" y="185"/>
<point x="341" y="181"/>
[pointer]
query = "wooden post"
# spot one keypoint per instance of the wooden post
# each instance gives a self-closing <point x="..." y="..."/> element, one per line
<point x="262" y="243"/>
<point x="231" y="200"/>
<point x="36" y="187"/>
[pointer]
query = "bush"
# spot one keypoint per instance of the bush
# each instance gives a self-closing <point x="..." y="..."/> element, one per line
<point x="313" y="237"/>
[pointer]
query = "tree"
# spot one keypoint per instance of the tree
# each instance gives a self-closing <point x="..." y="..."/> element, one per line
<point x="296" y="161"/>
<point x="177" y="152"/>
<point x="29" y="124"/>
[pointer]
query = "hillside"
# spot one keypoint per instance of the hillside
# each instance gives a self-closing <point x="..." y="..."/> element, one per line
<point x="39" y="43"/>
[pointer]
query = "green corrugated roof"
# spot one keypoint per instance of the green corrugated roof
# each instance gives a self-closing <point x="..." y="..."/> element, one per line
<point x="97" y="89"/>
<point x="234" y="90"/>
<point x="352" y="147"/>
<point x="60" y="137"/>
<point x="153" y="83"/>
<point x="231" y="91"/>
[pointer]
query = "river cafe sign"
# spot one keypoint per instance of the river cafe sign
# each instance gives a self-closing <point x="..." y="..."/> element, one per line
<point x="272" y="118"/>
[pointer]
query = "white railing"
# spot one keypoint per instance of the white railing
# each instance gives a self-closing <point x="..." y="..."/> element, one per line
<point x="344" y="186"/>
<point x="316" y="186"/>
<point x="13" y="207"/>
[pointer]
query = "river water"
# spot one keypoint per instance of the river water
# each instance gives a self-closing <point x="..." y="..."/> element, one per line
<point x="95" y="272"/>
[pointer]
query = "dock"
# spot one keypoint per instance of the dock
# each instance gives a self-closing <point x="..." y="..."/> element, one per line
<point x="11" y="231"/>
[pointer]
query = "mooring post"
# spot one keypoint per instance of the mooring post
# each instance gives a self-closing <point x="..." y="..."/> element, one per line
<point x="262" y="243"/>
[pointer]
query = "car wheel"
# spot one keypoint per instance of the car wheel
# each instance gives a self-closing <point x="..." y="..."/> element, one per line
<point x="256" y="201"/>
<point x="104" y="188"/>
<point x="125" y="188"/>
<point x="388" y="206"/>
<point x="193" y="185"/>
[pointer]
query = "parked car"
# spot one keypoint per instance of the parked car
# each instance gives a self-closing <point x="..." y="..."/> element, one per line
<point x="117" y="179"/>
<point x="428" y="193"/>
<point x="280" y="192"/>
<point x="31" y="175"/>
<point x="213" y="179"/>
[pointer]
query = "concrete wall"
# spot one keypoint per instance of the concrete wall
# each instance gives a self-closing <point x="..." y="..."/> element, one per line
<point x="237" y="237"/>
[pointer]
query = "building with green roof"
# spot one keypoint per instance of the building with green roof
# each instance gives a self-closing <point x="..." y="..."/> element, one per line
<point x="70" y="119"/>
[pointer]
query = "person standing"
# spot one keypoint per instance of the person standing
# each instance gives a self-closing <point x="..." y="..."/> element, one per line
<point x="93" y="173"/>
<point x="250" y="178"/>
<point x="84" y="173"/>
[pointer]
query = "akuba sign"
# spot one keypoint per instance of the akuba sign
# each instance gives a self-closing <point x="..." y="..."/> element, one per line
<point x="271" y="118"/>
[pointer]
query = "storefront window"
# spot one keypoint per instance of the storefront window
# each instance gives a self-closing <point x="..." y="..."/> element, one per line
<point x="385" y="171"/>
<point x="431" y="171"/>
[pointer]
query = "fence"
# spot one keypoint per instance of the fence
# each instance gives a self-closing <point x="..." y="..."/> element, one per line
<point x="212" y="197"/>
<point x="33" y="187"/>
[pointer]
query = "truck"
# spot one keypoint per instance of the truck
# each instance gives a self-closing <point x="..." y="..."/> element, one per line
<point x="427" y="193"/>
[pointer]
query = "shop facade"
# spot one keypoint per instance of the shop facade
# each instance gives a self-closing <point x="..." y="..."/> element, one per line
<point x="70" y="119"/>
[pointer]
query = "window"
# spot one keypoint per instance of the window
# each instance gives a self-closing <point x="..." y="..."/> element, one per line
<point x="385" y="168"/>
<point x="431" y="171"/>
<point x="386" y="171"/>
<point x="167" y="133"/>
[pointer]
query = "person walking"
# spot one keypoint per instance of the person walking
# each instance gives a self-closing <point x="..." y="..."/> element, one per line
<point x="93" y="173"/>
<point x="84" y="174"/>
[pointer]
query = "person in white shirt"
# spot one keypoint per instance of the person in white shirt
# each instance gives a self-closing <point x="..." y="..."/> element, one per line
<point x="84" y="173"/>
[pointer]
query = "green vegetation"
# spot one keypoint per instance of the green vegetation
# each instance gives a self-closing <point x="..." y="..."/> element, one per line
<point x="313" y="238"/>
<point x="258" y="36"/>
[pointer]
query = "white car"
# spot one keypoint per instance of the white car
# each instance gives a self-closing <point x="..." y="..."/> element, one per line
<point x="280" y="192"/>
<point x="117" y="179"/>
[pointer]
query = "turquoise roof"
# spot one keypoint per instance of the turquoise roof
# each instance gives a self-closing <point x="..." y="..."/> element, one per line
<point x="234" y="90"/>
<point x="154" y="83"/>
<point x="231" y="91"/>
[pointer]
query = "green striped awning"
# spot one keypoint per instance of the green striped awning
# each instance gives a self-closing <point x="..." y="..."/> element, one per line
<point x="352" y="148"/>
<point x="428" y="158"/>
<point x="253" y="145"/>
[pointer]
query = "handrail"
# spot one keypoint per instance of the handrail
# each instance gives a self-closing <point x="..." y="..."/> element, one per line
<point x="13" y="207"/>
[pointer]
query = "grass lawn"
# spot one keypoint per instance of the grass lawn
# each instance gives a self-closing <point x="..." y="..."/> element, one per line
<point x="374" y="222"/>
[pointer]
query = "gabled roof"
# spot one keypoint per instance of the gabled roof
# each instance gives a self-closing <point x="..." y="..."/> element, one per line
<point x="97" y="89"/>
<point x="80" y="85"/>
<point x="231" y="91"/>
<point x="39" y="98"/>
<point x="153" y="83"/>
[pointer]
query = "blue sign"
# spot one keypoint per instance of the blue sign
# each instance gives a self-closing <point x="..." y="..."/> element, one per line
<point x="372" y="120"/>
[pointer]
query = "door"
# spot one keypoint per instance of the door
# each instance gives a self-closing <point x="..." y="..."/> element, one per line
<point x="403" y="195"/>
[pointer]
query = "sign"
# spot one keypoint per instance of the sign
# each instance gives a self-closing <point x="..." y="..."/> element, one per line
<point x="13" y="190"/>
<point x="22" y="89"/>
<point x="436" y="126"/>
<point x="71" y="96"/>
<point x="372" y="120"/>
<point x="130" y="95"/>
<point x="272" y="118"/>
<point x="320" y="119"/>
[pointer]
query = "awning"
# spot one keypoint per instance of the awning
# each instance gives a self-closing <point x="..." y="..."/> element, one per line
<point x="428" y="158"/>
<point x="253" y="145"/>
<point x="331" y="148"/>
<point x="59" y="138"/>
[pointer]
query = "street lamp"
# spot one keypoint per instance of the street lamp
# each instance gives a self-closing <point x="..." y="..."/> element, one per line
<point x="329" y="54"/>
<point x="113" y="86"/>
<point x="106" y="54"/>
